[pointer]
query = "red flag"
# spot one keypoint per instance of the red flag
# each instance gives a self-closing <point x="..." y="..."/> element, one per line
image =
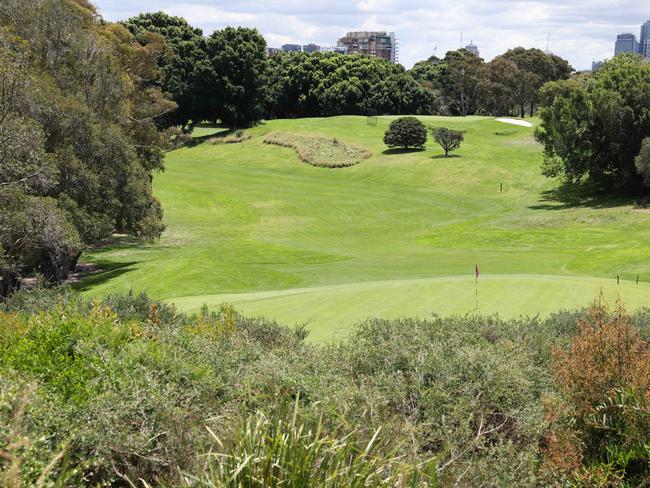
<point x="477" y="271"/>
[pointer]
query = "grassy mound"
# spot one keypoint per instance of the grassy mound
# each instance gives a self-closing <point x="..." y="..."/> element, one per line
<point x="319" y="151"/>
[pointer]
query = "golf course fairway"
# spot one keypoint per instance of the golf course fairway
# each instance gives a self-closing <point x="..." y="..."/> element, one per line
<point x="398" y="234"/>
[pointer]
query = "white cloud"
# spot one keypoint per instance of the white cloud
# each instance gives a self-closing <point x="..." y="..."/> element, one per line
<point x="580" y="30"/>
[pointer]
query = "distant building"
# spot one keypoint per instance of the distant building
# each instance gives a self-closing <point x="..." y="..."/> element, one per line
<point x="596" y="65"/>
<point x="378" y="44"/>
<point x="272" y="50"/>
<point x="310" y="48"/>
<point x="626" y="43"/>
<point x="292" y="48"/>
<point x="334" y="49"/>
<point x="644" y="45"/>
<point x="471" y="47"/>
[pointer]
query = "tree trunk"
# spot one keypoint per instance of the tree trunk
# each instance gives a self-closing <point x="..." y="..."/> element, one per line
<point x="523" y="110"/>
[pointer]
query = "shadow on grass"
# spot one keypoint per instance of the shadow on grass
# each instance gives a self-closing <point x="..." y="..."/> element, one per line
<point x="579" y="195"/>
<point x="442" y="156"/>
<point x="402" y="150"/>
<point x="106" y="271"/>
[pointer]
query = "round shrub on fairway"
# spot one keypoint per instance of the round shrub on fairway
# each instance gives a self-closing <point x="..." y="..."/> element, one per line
<point x="406" y="132"/>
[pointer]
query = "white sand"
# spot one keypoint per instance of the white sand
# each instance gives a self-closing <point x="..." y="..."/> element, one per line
<point x="522" y="123"/>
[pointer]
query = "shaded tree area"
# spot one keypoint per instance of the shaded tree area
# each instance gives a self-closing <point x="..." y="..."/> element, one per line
<point x="78" y="129"/>
<point x="593" y="126"/>
<point x="318" y="84"/>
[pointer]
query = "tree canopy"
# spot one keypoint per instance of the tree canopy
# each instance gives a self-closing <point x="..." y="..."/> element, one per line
<point x="593" y="126"/>
<point x="465" y="84"/>
<point x="184" y="50"/>
<point x="316" y="84"/>
<point x="78" y="111"/>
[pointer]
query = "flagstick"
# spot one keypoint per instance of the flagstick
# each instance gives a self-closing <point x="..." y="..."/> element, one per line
<point x="477" y="294"/>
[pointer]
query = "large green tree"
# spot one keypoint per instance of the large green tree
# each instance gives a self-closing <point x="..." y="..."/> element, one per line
<point x="314" y="84"/>
<point x="233" y="76"/>
<point x="594" y="126"/>
<point x="79" y="135"/>
<point x="535" y="68"/>
<point x="185" y="49"/>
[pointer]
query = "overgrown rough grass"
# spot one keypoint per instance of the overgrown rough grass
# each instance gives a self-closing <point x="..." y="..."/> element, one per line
<point x="128" y="386"/>
<point x="232" y="137"/>
<point x="319" y="151"/>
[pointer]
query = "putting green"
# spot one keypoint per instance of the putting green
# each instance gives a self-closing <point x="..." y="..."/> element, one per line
<point x="397" y="234"/>
<point x="328" y="311"/>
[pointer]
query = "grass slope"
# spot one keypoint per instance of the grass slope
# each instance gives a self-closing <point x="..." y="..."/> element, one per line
<point x="252" y="224"/>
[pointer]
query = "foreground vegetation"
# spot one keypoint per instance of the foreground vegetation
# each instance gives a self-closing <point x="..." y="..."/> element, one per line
<point x="129" y="389"/>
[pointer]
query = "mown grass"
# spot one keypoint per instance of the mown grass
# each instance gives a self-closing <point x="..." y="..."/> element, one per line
<point x="396" y="235"/>
<point x="319" y="151"/>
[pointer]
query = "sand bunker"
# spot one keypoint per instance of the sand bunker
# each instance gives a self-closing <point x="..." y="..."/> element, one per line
<point x="522" y="123"/>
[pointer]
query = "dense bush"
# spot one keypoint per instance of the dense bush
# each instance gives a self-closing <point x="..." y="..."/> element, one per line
<point x="600" y="424"/>
<point x="406" y="132"/>
<point x="126" y="388"/>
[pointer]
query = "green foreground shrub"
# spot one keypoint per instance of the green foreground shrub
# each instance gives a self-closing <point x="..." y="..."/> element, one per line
<point x="131" y="389"/>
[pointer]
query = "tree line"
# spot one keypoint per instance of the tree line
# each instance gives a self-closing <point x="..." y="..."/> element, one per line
<point x="227" y="77"/>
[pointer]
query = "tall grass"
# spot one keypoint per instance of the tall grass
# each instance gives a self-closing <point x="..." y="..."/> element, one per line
<point x="319" y="151"/>
<point x="273" y="450"/>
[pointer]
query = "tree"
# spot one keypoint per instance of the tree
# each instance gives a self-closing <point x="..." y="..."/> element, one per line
<point x="536" y="68"/>
<point x="500" y="87"/>
<point x="594" y="127"/>
<point x="184" y="50"/>
<point x="406" y="132"/>
<point x="235" y="71"/>
<point x="80" y="112"/>
<point x="317" y="84"/>
<point x="642" y="162"/>
<point x="448" y="139"/>
<point x="465" y="74"/>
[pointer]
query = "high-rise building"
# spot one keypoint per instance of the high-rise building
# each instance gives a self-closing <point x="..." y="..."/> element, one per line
<point x="271" y="51"/>
<point x="626" y="43"/>
<point x="379" y="44"/>
<point x="471" y="47"/>
<point x="596" y="65"/>
<point x="310" y="48"/>
<point x="291" y="48"/>
<point x="644" y="45"/>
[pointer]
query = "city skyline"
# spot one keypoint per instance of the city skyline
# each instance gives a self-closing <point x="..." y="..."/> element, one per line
<point x="579" y="31"/>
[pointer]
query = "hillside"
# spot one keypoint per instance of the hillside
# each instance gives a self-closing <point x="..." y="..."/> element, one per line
<point x="397" y="234"/>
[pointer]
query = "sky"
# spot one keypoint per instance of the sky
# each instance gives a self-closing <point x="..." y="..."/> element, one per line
<point x="580" y="30"/>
